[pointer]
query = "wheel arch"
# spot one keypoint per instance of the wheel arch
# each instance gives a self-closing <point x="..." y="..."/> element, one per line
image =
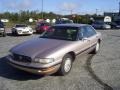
<point x="99" y="41"/>
<point x="72" y="54"/>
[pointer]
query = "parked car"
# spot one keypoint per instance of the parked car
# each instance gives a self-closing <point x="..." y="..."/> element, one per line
<point x="22" y="29"/>
<point x="101" y="25"/>
<point x="42" y="27"/>
<point x="2" y="29"/>
<point x="55" y="51"/>
<point x="115" y="25"/>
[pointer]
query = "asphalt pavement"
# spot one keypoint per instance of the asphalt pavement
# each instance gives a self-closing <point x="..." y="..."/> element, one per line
<point x="89" y="72"/>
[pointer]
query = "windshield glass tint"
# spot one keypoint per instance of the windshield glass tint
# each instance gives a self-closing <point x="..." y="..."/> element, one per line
<point x="63" y="33"/>
<point x="20" y="25"/>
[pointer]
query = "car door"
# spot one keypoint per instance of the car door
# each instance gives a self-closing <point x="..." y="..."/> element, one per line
<point x="83" y="42"/>
<point x="92" y="36"/>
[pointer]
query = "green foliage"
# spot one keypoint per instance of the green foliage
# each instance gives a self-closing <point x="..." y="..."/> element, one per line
<point x="23" y="17"/>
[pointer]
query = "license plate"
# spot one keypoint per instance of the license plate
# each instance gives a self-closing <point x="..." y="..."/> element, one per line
<point x="25" y="32"/>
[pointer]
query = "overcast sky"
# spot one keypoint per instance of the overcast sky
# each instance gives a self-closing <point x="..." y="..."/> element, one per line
<point x="60" y="6"/>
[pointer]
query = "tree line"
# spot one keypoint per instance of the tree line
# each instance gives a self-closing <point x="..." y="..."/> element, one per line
<point x="23" y="16"/>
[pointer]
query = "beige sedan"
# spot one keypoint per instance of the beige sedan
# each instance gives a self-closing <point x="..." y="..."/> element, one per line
<point x="56" y="49"/>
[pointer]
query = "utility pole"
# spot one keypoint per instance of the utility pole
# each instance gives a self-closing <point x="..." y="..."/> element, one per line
<point x="71" y="12"/>
<point x="42" y="10"/>
<point x="96" y="11"/>
<point x="119" y="7"/>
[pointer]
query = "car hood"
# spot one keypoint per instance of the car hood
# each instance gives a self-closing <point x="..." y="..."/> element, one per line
<point x="39" y="47"/>
<point x="22" y="28"/>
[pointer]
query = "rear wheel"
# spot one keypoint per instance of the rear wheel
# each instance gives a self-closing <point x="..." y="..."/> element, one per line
<point x="66" y="65"/>
<point x="4" y="34"/>
<point x="14" y="33"/>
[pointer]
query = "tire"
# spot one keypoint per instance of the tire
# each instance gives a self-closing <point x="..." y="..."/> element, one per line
<point x="4" y="34"/>
<point x="97" y="47"/>
<point x="13" y="33"/>
<point x="16" y="33"/>
<point x="66" y="65"/>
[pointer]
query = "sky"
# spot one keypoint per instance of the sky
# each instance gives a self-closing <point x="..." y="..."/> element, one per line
<point x="61" y="6"/>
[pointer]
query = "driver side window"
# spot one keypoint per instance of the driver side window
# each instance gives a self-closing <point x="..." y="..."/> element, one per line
<point x="87" y="31"/>
<point x="83" y="33"/>
<point x="80" y="34"/>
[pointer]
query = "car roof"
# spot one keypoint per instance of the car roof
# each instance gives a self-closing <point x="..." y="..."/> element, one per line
<point x="71" y="25"/>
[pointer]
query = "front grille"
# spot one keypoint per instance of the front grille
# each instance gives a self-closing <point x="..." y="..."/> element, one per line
<point x="21" y="58"/>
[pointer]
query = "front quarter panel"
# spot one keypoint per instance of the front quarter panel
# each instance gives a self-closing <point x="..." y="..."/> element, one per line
<point x="99" y="35"/>
<point x="76" y="47"/>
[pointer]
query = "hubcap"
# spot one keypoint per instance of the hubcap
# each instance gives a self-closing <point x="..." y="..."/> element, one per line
<point x="67" y="66"/>
<point x="97" y="47"/>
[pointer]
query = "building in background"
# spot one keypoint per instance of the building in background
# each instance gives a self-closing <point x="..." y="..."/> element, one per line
<point x="114" y="15"/>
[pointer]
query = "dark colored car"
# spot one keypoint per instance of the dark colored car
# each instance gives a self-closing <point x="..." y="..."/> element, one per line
<point x="115" y="25"/>
<point x="55" y="51"/>
<point x="42" y="27"/>
<point x="101" y="25"/>
<point x="2" y="29"/>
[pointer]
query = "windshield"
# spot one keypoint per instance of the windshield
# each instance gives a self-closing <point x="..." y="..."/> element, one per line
<point x="20" y="26"/>
<point x="62" y="33"/>
<point x="42" y="24"/>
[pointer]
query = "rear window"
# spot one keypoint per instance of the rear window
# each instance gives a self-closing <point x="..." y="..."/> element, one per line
<point x="43" y="24"/>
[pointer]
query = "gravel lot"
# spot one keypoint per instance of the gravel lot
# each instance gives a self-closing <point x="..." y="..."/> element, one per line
<point x="89" y="72"/>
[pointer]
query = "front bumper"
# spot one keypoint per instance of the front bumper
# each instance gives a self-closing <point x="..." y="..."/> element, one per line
<point x="42" y="71"/>
<point x="24" y="33"/>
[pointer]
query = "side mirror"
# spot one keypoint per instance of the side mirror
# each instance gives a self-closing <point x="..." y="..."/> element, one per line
<point x="86" y="39"/>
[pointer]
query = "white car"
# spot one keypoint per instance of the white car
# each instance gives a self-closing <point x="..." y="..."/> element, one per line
<point x="22" y="29"/>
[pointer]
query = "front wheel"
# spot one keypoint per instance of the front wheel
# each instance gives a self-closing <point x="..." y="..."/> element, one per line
<point x="97" y="47"/>
<point x="66" y="65"/>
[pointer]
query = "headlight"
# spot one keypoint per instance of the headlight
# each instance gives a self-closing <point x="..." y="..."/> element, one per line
<point x="44" y="61"/>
